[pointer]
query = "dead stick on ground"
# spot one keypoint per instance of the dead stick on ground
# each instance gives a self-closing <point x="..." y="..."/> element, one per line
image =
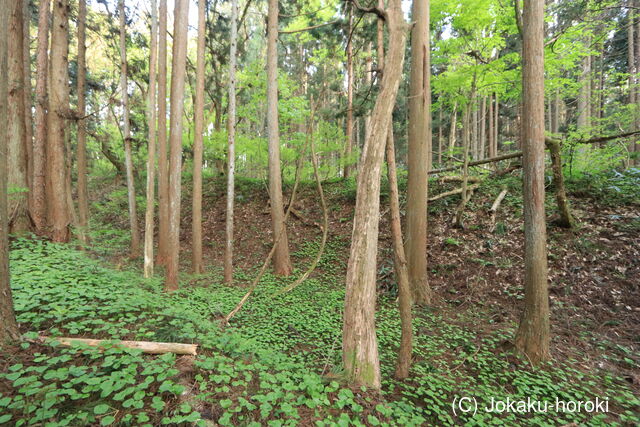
<point x="452" y="192"/>
<point x="494" y="208"/>
<point x="266" y="262"/>
<point x="145" y="346"/>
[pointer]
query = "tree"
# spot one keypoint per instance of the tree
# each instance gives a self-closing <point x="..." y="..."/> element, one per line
<point x="83" y="199"/>
<point x="163" y="165"/>
<point x="151" y="161"/>
<point x="126" y="135"/>
<point x="281" y="259"/>
<point x="419" y="153"/>
<point x="532" y="337"/>
<point x="196" y="221"/>
<point x="359" y="343"/>
<point x="28" y="107"/>
<point x="57" y="206"/>
<point x="17" y="153"/>
<point x="231" y="141"/>
<point x="8" y="325"/>
<point x="350" y="82"/>
<point x="38" y="195"/>
<point x="178" y="73"/>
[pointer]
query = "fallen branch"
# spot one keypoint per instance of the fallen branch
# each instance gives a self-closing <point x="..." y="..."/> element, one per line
<point x="478" y="162"/>
<point x="494" y="208"/>
<point x="456" y="178"/>
<point x="304" y="219"/>
<point x="453" y="192"/>
<point x="145" y="346"/>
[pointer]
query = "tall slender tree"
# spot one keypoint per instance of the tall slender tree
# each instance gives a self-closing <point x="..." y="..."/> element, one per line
<point x="58" y="213"/>
<point x="126" y="134"/>
<point x="419" y="153"/>
<point x="151" y="161"/>
<point x="231" y="151"/>
<point x="8" y="325"/>
<point x="163" y="165"/>
<point x="281" y="258"/>
<point x="350" y="83"/>
<point x="38" y="195"/>
<point x="196" y="222"/>
<point x="532" y="337"/>
<point x="17" y="150"/>
<point x="359" y="342"/>
<point x="178" y="73"/>
<point x="28" y="103"/>
<point x="83" y="199"/>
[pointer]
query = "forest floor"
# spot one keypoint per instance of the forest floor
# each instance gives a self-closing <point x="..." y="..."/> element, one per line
<point x="279" y="360"/>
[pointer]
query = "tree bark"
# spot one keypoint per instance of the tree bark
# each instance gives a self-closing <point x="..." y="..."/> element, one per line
<point x="148" y="347"/>
<point x="491" y="146"/>
<point x="453" y="130"/>
<point x="8" y="325"/>
<point x="178" y="70"/>
<point x="457" y="222"/>
<point x="83" y="198"/>
<point x="418" y="157"/>
<point x="38" y="194"/>
<point x="149" y="223"/>
<point x="566" y="219"/>
<point x="28" y="107"/>
<point x="350" y="80"/>
<point x="281" y="259"/>
<point x="483" y="130"/>
<point x="532" y="337"/>
<point x="231" y="152"/>
<point x="19" y="221"/>
<point x="196" y="222"/>
<point x="359" y="343"/>
<point x="126" y="134"/>
<point x="163" y="165"/>
<point x="440" y="134"/>
<point x="57" y="206"/>
<point x="496" y="126"/>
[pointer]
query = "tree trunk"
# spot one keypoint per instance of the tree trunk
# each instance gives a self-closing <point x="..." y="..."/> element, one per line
<point x="19" y="221"/>
<point x="151" y="161"/>
<point x="350" y="79"/>
<point x="457" y="222"/>
<point x="566" y="219"/>
<point x="8" y="325"/>
<point x="418" y="156"/>
<point x="163" y="165"/>
<point x="453" y="130"/>
<point x="178" y="70"/>
<point x="584" y="95"/>
<point x="491" y="136"/>
<point x="532" y="337"/>
<point x="440" y="134"/>
<point x="281" y="259"/>
<point x="231" y="153"/>
<point x="359" y="343"/>
<point x="38" y="194"/>
<point x="83" y="199"/>
<point x="496" y="127"/>
<point x="483" y="130"/>
<point x="198" y="145"/>
<point x="555" y="123"/>
<point x="57" y="206"/>
<point x="126" y="134"/>
<point x="28" y="108"/>
<point x="474" y="125"/>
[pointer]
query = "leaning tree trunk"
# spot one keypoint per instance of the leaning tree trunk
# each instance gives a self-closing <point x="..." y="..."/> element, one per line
<point x="126" y="135"/>
<point x="178" y="70"/>
<point x="566" y="219"/>
<point x="151" y="161"/>
<point x="281" y="259"/>
<point x="38" y="195"/>
<point x="419" y="154"/>
<point x="231" y="152"/>
<point x="359" y="343"/>
<point x="16" y="154"/>
<point x="57" y="205"/>
<point x="163" y="165"/>
<point x="8" y="325"/>
<point x="196" y="222"/>
<point x="83" y="199"/>
<point x="532" y="338"/>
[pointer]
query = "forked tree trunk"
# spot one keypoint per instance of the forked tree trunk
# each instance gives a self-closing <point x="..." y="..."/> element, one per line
<point x="83" y="198"/>
<point x="178" y="70"/>
<point x="57" y="205"/>
<point x="419" y="153"/>
<point x="196" y="222"/>
<point x="359" y="343"/>
<point x="8" y="325"/>
<point x="163" y="165"/>
<point x="532" y="338"/>
<point x="19" y="221"/>
<point x="126" y="135"/>
<point x="151" y="161"/>
<point x="38" y="195"/>
<point x="281" y="259"/>
<point x="349" y="131"/>
<point x="231" y="152"/>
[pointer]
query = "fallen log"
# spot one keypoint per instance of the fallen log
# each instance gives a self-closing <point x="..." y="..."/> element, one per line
<point x="453" y="192"/>
<point x="145" y="346"/>
<point x="494" y="208"/>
